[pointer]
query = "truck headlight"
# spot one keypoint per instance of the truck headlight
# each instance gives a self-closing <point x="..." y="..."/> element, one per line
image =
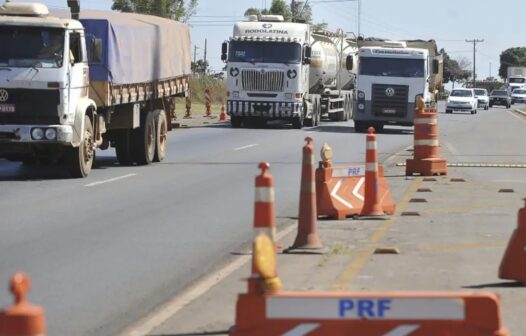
<point x="288" y="95"/>
<point x="235" y="94"/>
<point x="51" y="134"/>
<point x="361" y="106"/>
<point x="361" y="95"/>
<point x="37" y="133"/>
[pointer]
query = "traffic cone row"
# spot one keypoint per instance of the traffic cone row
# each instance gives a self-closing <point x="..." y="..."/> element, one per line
<point x="22" y="318"/>
<point x="307" y="239"/>
<point x="371" y="203"/>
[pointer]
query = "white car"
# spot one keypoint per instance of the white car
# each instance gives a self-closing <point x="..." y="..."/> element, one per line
<point x="518" y="96"/>
<point x="462" y="100"/>
<point x="482" y="98"/>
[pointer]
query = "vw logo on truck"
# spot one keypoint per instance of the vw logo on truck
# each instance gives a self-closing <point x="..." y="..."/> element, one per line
<point x="389" y="92"/>
<point x="3" y="95"/>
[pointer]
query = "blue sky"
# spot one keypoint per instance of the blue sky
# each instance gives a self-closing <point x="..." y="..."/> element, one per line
<point x="450" y="22"/>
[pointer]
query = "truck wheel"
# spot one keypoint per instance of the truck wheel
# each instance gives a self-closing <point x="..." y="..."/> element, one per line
<point x="297" y="122"/>
<point x="80" y="159"/>
<point x="359" y="126"/>
<point x="340" y="116"/>
<point x="123" y="147"/>
<point x="312" y="121"/>
<point x="161" y="134"/>
<point x="143" y="140"/>
<point x="346" y="110"/>
<point x="317" y="110"/>
<point x="236" y="122"/>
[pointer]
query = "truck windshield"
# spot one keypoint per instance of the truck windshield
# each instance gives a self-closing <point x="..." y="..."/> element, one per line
<point x="517" y="80"/>
<point x="36" y="47"/>
<point x="267" y="52"/>
<point x="391" y="67"/>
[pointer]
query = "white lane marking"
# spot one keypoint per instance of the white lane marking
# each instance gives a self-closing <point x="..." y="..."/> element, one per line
<point x="516" y="116"/>
<point x="335" y="195"/>
<point x="403" y="330"/>
<point x="357" y="188"/>
<point x="166" y="311"/>
<point x="245" y="147"/>
<point x="302" y="329"/>
<point x="452" y="149"/>
<point x="109" y="180"/>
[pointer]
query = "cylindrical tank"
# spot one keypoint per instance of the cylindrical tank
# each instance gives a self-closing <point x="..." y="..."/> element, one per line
<point x="326" y="62"/>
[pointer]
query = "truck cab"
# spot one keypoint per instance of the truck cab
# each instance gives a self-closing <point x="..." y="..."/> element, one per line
<point x="44" y="82"/>
<point x="391" y="76"/>
<point x="267" y="70"/>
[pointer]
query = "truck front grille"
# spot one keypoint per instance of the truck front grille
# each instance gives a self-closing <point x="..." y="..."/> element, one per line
<point x="390" y="100"/>
<point x="31" y="106"/>
<point x="254" y="80"/>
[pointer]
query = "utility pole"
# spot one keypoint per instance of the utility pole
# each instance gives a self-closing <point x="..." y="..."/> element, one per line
<point x="205" y="58"/>
<point x="474" y="41"/>
<point x="359" y="15"/>
<point x="489" y="69"/>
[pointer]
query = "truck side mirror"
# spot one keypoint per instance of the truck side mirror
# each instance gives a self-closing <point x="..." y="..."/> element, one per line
<point x="224" y="51"/>
<point x="349" y="62"/>
<point x="307" y="54"/>
<point x="96" y="50"/>
<point x="435" y="66"/>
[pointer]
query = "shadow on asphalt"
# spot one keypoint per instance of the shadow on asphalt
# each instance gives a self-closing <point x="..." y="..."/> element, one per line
<point x="504" y="284"/>
<point x="203" y="333"/>
<point x="17" y="171"/>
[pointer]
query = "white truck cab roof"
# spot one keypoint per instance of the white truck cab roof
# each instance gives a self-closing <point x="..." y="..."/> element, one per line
<point x="33" y="14"/>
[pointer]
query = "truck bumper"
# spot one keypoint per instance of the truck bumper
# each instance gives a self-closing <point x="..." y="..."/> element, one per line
<point x="264" y="109"/>
<point x="22" y="134"/>
<point x="363" y="112"/>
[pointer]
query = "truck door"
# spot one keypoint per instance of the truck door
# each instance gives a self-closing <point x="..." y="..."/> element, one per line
<point x="78" y="69"/>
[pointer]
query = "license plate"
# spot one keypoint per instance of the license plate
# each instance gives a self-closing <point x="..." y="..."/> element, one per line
<point x="389" y="111"/>
<point x="7" y="108"/>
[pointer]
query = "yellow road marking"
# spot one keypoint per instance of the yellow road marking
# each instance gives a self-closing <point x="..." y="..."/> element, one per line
<point x="345" y="278"/>
<point x="463" y="246"/>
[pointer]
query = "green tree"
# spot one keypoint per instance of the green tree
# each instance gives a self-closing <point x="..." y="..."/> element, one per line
<point x="511" y="57"/>
<point x="180" y="10"/>
<point x="280" y="7"/>
<point x="455" y="70"/>
<point x="301" y="11"/>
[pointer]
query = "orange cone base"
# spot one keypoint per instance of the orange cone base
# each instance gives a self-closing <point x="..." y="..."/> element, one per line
<point x="513" y="263"/>
<point x="426" y="167"/>
<point x="222" y="117"/>
<point x="311" y="244"/>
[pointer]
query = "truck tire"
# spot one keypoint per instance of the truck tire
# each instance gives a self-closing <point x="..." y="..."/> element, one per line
<point x="236" y="122"/>
<point x="123" y="147"/>
<point x="297" y="122"/>
<point x="80" y="159"/>
<point x="161" y="135"/>
<point x="312" y="121"/>
<point x="143" y="140"/>
<point x="359" y="126"/>
<point x="317" y="109"/>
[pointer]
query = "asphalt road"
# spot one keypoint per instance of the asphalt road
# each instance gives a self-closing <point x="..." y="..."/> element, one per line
<point x="103" y="251"/>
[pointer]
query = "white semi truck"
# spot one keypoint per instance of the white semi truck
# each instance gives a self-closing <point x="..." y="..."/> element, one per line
<point x="72" y="83"/>
<point x="516" y="78"/>
<point x="282" y="70"/>
<point x="391" y="75"/>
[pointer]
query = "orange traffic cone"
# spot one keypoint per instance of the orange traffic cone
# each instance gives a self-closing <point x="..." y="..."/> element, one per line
<point x="371" y="203"/>
<point x="264" y="216"/>
<point x="22" y="318"/>
<point x="223" y="115"/>
<point x="307" y="239"/>
<point x="513" y="264"/>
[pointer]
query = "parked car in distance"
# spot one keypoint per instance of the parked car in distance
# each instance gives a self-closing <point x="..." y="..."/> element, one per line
<point x="462" y="100"/>
<point x="499" y="97"/>
<point x="482" y="98"/>
<point x="518" y="96"/>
